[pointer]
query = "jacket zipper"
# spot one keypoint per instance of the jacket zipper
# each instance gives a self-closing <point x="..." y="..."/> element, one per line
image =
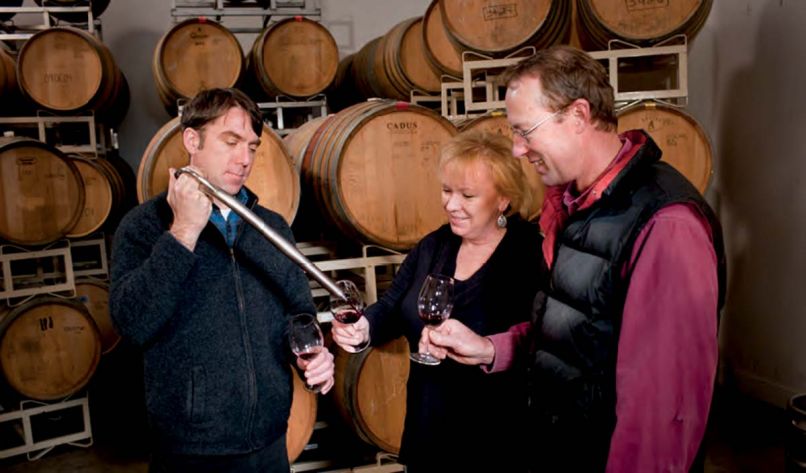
<point x="250" y="362"/>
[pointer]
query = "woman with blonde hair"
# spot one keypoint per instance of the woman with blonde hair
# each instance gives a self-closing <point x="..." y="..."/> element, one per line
<point x="457" y="417"/>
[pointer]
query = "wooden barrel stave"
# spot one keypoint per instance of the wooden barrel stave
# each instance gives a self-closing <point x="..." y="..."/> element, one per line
<point x="195" y="55"/>
<point x="302" y="418"/>
<point x="94" y="295"/>
<point x="64" y="69"/>
<point x="296" y="57"/>
<point x="641" y="24"/>
<point x="411" y="61"/>
<point x="49" y="349"/>
<point x="98" y="196"/>
<point x="42" y="193"/>
<point x="498" y="29"/>
<point x="373" y="170"/>
<point x="440" y="51"/>
<point x="683" y="141"/>
<point x="370" y="392"/>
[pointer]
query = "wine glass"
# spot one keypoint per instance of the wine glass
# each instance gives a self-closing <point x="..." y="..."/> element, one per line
<point x="349" y="310"/>
<point x="434" y="305"/>
<point x="306" y="340"/>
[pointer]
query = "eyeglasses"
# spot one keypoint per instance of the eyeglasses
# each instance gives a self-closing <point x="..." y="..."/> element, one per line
<point x="525" y="134"/>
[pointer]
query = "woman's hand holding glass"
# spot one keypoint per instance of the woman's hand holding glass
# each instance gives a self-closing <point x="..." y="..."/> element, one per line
<point x="350" y="327"/>
<point x="307" y="343"/>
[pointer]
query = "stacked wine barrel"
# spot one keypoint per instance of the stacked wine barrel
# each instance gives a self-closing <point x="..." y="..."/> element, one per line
<point x="50" y="347"/>
<point x="295" y="57"/>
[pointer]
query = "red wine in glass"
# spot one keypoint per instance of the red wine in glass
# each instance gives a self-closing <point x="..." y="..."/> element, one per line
<point x="347" y="315"/>
<point x="350" y="309"/>
<point x="306" y="340"/>
<point x="307" y="356"/>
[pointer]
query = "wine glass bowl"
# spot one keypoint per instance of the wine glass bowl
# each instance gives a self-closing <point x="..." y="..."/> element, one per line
<point x="350" y="309"/>
<point x="434" y="305"/>
<point x="306" y="340"/>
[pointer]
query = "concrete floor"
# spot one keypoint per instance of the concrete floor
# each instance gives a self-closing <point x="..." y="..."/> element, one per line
<point x="744" y="436"/>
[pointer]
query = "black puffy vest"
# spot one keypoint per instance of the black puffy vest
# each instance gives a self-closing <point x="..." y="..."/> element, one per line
<point x="572" y="374"/>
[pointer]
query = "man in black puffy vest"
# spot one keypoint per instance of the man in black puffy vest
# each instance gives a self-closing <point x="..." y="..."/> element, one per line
<point x="622" y="349"/>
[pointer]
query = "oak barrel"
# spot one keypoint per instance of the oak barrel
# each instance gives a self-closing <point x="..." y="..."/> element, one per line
<point x="638" y="22"/>
<point x="195" y="55"/>
<point x="42" y="193"/>
<point x="370" y="392"/>
<point x="441" y="52"/>
<point x="498" y="28"/>
<point x="49" y="348"/>
<point x="8" y="74"/>
<point x="99" y="196"/>
<point x="302" y="418"/>
<point x="296" y="57"/>
<point x="372" y="170"/>
<point x="65" y="69"/>
<point x="683" y="141"/>
<point x="273" y="178"/>
<point x="395" y="64"/>
<point x="496" y="122"/>
<point x="94" y="295"/>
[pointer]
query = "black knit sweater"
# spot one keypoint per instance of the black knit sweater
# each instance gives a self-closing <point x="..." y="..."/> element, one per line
<point x="212" y="328"/>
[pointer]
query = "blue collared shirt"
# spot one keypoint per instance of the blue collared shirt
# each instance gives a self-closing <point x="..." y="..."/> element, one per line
<point x="229" y="226"/>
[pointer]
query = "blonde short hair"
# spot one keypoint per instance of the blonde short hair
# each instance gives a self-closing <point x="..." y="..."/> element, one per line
<point x="495" y="151"/>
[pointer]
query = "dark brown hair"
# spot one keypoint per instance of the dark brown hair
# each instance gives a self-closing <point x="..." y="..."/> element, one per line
<point x="567" y="74"/>
<point x="210" y="104"/>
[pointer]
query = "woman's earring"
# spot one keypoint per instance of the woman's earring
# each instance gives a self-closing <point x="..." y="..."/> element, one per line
<point x="501" y="221"/>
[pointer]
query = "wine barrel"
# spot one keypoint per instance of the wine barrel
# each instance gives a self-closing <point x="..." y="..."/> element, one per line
<point x="370" y="392"/>
<point x="395" y="64"/>
<point x="42" y="193"/>
<point x="367" y="82"/>
<point x="302" y="418"/>
<point x="406" y="58"/>
<point x="49" y="348"/>
<point x="440" y="51"/>
<point x="96" y="6"/>
<point x="496" y="122"/>
<point x="8" y="76"/>
<point x="195" y="55"/>
<point x="99" y="195"/>
<point x="296" y="57"/>
<point x="65" y="69"/>
<point x="94" y="295"/>
<point x="683" y="141"/>
<point x="496" y="29"/>
<point x="273" y="178"/>
<point x="372" y="170"/>
<point x="342" y="92"/>
<point x="641" y="23"/>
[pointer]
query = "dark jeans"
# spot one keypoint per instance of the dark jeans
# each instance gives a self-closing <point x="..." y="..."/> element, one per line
<point x="272" y="458"/>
